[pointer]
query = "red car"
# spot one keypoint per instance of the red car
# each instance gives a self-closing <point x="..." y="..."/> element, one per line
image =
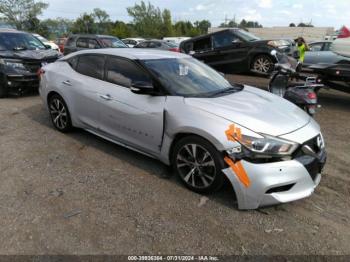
<point x="61" y="42"/>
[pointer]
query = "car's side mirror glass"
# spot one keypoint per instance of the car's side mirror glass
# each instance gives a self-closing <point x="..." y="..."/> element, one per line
<point x="142" y="87"/>
<point x="47" y="46"/>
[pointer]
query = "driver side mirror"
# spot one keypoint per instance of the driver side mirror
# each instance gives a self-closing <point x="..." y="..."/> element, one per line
<point x="144" y="88"/>
<point x="47" y="46"/>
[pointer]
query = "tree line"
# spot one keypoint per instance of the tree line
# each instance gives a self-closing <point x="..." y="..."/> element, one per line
<point x="147" y="21"/>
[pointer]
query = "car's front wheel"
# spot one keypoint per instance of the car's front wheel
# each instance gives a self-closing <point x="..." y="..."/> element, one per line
<point x="59" y="113"/>
<point x="262" y="64"/>
<point x="3" y="91"/>
<point x="198" y="164"/>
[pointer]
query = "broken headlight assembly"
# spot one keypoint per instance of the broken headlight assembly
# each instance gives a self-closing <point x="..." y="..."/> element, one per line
<point x="14" y="64"/>
<point x="252" y="145"/>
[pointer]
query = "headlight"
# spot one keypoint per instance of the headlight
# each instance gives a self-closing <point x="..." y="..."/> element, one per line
<point x="268" y="145"/>
<point x="262" y="144"/>
<point x="15" y="64"/>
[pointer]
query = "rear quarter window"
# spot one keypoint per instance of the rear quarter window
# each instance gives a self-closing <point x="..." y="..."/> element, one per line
<point x="91" y="65"/>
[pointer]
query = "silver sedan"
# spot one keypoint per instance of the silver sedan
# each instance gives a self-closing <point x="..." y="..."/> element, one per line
<point x="174" y="108"/>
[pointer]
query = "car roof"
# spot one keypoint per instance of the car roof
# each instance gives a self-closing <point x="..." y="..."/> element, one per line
<point x="233" y="29"/>
<point x="9" y="30"/>
<point x="93" y="35"/>
<point x="132" y="53"/>
<point x="323" y="41"/>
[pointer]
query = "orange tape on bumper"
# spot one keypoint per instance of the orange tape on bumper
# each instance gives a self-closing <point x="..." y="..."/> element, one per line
<point x="239" y="171"/>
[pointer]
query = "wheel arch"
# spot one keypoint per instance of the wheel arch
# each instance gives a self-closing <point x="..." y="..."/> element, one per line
<point x="182" y="134"/>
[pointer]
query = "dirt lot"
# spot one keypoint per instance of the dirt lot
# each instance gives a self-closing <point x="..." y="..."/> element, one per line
<point x="78" y="194"/>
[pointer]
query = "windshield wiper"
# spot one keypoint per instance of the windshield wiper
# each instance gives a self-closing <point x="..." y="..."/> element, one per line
<point x="229" y="90"/>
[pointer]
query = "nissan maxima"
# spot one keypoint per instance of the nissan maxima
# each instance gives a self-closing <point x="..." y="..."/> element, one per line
<point x="174" y="108"/>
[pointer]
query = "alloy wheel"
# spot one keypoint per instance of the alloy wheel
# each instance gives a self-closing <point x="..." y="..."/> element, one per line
<point x="58" y="113"/>
<point x="196" y="166"/>
<point x="262" y="64"/>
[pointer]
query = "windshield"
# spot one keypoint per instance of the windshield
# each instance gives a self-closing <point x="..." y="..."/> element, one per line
<point x="246" y="35"/>
<point x="112" y="42"/>
<point x="20" y="41"/>
<point x="188" y="77"/>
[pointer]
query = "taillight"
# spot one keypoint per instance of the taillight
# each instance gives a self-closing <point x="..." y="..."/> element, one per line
<point x="312" y="95"/>
<point x="40" y="73"/>
<point x="176" y="49"/>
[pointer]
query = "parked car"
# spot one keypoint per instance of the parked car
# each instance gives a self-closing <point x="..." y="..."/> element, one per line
<point x="131" y="42"/>
<point x="176" y="39"/>
<point x="320" y="46"/>
<point x="286" y="46"/>
<point x="232" y="50"/>
<point x="61" y="42"/>
<point x="80" y="42"/>
<point x="21" y="56"/>
<point x="46" y="42"/>
<point x="322" y="53"/>
<point x="175" y="108"/>
<point x="159" y="44"/>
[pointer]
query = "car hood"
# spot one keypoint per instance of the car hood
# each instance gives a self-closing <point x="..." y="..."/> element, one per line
<point x="255" y="109"/>
<point x="30" y="54"/>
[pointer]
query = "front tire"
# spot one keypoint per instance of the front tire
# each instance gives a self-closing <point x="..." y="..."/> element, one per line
<point x="198" y="164"/>
<point x="262" y="64"/>
<point x="59" y="114"/>
<point x="3" y="91"/>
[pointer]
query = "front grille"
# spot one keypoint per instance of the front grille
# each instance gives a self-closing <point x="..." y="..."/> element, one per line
<point x="314" y="165"/>
<point x="34" y="66"/>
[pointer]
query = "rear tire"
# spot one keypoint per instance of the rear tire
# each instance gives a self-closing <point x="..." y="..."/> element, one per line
<point x="59" y="114"/>
<point x="198" y="164"/>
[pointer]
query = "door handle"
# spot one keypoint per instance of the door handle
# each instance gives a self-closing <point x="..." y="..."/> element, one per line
<point x="106" y="97"/>
<point x="67" y="83"/>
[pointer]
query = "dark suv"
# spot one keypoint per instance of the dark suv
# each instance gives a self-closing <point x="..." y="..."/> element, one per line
<point x="21" y="57"/>
<point x="232" y="50"/>
<point x="82" y="42"/>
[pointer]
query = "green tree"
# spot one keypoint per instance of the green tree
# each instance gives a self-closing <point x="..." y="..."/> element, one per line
<point x="21" y="12"/>
<point x="167" y="27"/>
<point x="291" y="25"/>
<point x="305" y="25"/>
<point x="122" y="30"/>
<point x="84" y="24"/>
<point x="147" y="19"/>
<point x="59" y="27"/>
<point x="102" y="20"/>
<point x="202" y="26"/>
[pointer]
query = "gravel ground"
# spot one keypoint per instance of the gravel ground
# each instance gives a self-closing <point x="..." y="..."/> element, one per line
<point x="79" y="194"/>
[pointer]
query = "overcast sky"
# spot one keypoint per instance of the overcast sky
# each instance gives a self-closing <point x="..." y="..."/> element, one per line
<point x="268" y="12"/>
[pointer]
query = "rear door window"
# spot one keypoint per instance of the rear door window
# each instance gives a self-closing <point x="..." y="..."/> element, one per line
<point x="124" y="72"/>
<point x="92" y="44"/>
<point x="83" y="43"/>
<point x="91" y="65"/>
<point x="203" y="44"/>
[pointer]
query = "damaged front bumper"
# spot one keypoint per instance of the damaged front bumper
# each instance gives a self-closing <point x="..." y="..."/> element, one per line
<point x="20" y="84"/>
<point x="277" y="182"/>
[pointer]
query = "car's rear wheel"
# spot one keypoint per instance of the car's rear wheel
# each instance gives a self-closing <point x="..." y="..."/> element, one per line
<point x="198" y="164"/>
<point x="59" y="113"/>
<point x="262" y="64"/>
